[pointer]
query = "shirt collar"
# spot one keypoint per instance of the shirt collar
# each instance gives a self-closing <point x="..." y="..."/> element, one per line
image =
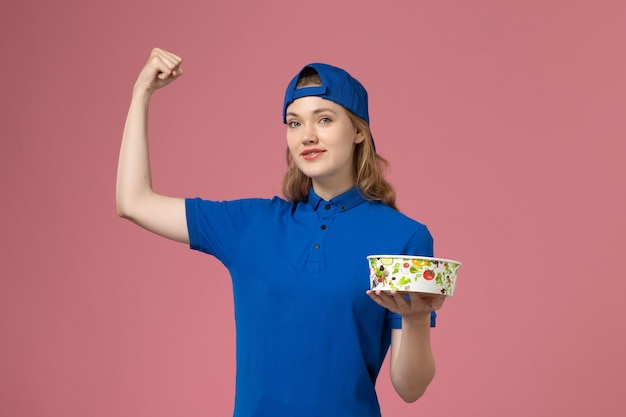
<point x="343" y="202"/>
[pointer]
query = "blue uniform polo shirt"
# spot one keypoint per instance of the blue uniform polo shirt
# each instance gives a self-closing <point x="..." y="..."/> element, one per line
<point x="310" y="342"/>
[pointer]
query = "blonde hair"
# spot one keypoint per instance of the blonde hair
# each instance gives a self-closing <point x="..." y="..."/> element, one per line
<point x="369" y="166"/>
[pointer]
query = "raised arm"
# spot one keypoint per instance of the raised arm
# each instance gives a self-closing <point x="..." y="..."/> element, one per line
<point x="135" y="197"/>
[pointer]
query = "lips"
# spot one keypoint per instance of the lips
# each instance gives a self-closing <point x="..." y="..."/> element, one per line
<point x="310" y="154"/>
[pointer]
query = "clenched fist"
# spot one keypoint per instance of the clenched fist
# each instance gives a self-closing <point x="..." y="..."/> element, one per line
<point x="162" y="68"/>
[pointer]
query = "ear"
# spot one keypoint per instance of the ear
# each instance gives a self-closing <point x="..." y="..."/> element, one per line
<point x="358" y="135"/>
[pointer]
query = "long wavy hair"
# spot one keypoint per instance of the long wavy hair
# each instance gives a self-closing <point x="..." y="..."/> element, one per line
<point x="369" y="166"/>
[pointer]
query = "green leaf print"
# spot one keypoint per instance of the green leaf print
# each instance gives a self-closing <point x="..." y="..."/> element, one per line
<point x="438" y="279"/>
<point x="404" y="281"/>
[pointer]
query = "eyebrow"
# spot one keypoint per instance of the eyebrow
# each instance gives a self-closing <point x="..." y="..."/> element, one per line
<point x="316" y="111"/>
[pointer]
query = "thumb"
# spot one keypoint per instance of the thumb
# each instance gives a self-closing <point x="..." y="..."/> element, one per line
<point x="167" y="76"/>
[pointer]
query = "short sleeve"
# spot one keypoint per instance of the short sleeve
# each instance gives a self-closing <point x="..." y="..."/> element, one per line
<point x="215" y="227"/>
<point x="421" y="244"/>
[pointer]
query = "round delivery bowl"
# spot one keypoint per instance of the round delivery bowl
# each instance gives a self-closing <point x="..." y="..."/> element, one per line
<point x="404" y="273"/>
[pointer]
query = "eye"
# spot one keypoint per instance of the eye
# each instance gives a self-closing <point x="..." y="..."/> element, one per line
<point x="293" y="123"/>
<point x="325" y="120"/>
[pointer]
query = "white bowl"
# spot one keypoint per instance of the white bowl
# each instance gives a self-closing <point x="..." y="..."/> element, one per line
<point x="406" y="273"/>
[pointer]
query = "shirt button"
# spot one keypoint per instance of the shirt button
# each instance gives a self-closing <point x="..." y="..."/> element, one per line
<point x="323" y="227"/>
<point x="343" y="207"/>
<point x="317" y="246"/>
<point x="327" y="206"/>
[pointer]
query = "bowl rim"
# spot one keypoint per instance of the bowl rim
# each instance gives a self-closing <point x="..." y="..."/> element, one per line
<point x="429" y="258"/>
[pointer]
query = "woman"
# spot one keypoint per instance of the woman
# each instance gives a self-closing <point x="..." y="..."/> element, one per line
<point x="310" y="337"/>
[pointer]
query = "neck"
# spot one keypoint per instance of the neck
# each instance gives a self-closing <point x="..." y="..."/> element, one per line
<point x="329" y="192"/>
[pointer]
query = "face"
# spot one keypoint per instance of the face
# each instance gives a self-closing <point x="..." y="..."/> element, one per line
<point x="321" y="139"/>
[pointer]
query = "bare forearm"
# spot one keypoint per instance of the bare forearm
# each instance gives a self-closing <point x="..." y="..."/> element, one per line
<point x="413" y="367"/>
<point x="134" y="178"/>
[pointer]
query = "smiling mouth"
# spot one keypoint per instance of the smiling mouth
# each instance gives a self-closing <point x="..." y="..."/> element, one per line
<point x="311" y="154"/>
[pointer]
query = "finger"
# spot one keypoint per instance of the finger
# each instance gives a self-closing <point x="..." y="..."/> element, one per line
<point x="165" y="71"/>
<point x="381" y="298"/>
<point x="165" y="63"/>
<point x="435" y="299"/>
<point x="163" y="52"/>
<point x="374" y="297"/>
<point x="400" y="299"/>
<point x="425" y="296"/>
<point x="432" y="301"/>
<point x="160" y="68"/>
<point x="170" y="62"/>
<point x="177" y="72"/>
<point x="174" y="59"/>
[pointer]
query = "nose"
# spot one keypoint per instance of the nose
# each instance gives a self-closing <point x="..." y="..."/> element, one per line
<point x="309" y="134"/>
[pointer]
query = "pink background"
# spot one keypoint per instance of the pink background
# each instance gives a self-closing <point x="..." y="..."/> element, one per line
<point x="504" y="123"/>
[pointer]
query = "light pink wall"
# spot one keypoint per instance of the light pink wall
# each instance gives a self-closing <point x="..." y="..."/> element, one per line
<point x="504" y="123"/>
